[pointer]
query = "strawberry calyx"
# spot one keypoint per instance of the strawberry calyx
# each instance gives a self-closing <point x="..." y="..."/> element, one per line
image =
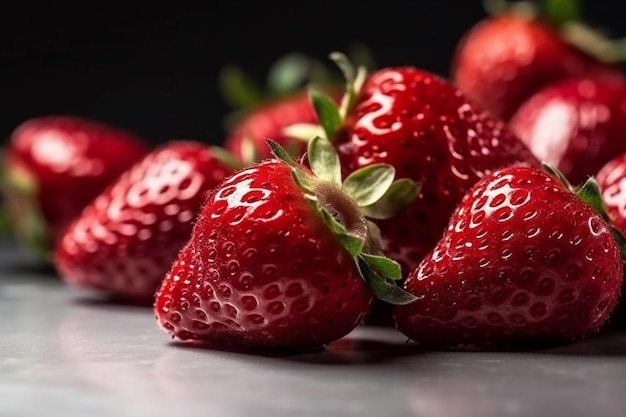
<point x="589" y="193"/>
<point x="227" y="158"/>
<point x="329" y="115"/>
<point x="345" y="206"/>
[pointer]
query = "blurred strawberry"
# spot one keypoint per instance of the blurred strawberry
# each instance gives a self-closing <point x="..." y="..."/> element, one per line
<point x="54" y="166"/>
<point x="127" y="238"/>
<point x="576" y="125"/>
<point x="509" y="55"/>
<point x="265" y="112"/>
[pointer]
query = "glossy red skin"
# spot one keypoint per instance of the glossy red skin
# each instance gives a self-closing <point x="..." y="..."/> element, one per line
<point x="502" y="60"/>
<point x="127" y="238"/>
<point x="71" y="160"/>
<point x="523" y="260"/>
<point x="268" y="121"/>
<point x="261" y="271"/>
<point x="430" y="133"/>
<point x="611" y="180"/>
<point x="576" y="125"/>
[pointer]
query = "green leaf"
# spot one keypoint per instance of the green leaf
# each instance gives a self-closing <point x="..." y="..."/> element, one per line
<point x="280" y="153"/>
<point x="384" y="289"/>
<point x="590" y="193"/>
<point x="238" y="89"/>
<point x="353" y="244"/>
<point x="303" y="131"/>
<point x="400" y="195"/>
<point x="558" y="175"/>
<point x="327" y="112"/>
<point x="561" y="11"/>
<point x="387" y="267"/>
<point x="289" y="73"/>
<point x="226" y="157"/>
<point x="354" y="81"/>
<point x="368" y="184"/>
<point x="305" y="181"/>
<point x="324" y="160"/>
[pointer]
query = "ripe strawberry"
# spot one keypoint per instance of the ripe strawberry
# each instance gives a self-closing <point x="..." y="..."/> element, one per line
<point x="507" y="57"/>
<point x="280" y="255"/>
<point x="525" y="259"/>
<point x="576" y="125"/>
<point x="54" y="166"/>
<point x="127" y="238"/>
<point x="430" y="133"/>
<point x="247" y="140"/>
<point x="612" y="183"/>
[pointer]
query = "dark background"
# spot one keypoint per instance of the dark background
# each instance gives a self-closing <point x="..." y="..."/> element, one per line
<point x="154" y="70"/>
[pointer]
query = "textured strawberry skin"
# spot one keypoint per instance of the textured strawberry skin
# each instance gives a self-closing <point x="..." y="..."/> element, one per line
<point x="502" y="60"/>
<point x="70" y="161"/>
<point x="261" y="270"/>
<point x="268" y="121"/>
<point x="523" y="260"/>
<point x="612" y="182"/>
<point x="127" y="238"/>
<point x="432" y="134"/>
<point x="576" y="125"/>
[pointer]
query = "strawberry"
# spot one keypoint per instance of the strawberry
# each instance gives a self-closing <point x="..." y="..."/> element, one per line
<point x="54" y="166"/>
<point x="576" y="125"/>
<point x="526" y="258"/>
<point x="282" y="257"/>
<point x="430" y="133"/>
<point x="127" y="238"/>
<point x="612" y="183"/>
<point x="246" y="141"/>
<point x="508" y="56"/>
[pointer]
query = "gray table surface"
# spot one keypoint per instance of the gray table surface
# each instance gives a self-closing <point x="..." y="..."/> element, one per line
<point x="66" y="353"/>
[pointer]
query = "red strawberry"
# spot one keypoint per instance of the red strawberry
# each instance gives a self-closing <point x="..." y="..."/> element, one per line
<point x="612" y="183"/>
<point x="127" y="238"/>
<point x="279" y="257"/>
<point x="430" y="133"/>
<point x="505" y="58"/>
<point x="525" y="259"/>
<point x="247" y="140"/>
<point x="576" y="125"/>
<point x="55" y="165"/>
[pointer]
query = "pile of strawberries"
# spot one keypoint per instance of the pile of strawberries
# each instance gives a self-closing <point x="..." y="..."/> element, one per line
<point x="484" y="210"/>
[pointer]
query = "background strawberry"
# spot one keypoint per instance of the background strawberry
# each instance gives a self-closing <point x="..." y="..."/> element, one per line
<point x="247" y="140"/>
<point x="280" y="255"/>
<point x="430" y="133"/>
<point x="127" y="238"/>
<point x="54" y="166"/>
<point x="576" y="125"/>
<point x="612" y="183"/>
<point x="511" y="54"/>
<point x="525" y="259"/>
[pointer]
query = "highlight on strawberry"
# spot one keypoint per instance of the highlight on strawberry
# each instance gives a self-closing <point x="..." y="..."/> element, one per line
<point x="526" y="260"/>
<point x="283" y="255"/>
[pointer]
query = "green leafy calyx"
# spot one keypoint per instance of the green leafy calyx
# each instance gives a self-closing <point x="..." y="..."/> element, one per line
<point x="344" y="207"/>
<point x="329" y="114"/>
